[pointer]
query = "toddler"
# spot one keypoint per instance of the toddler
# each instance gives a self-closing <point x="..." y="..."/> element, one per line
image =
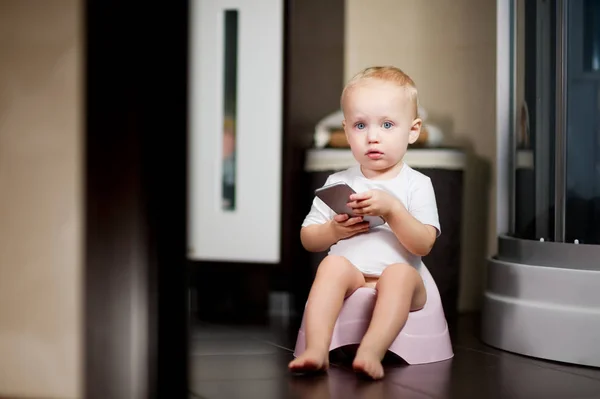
<point x="380" y="120"/>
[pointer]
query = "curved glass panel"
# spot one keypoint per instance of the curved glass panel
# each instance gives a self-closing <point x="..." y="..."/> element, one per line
<point x="582" y="213"/>
<point x="557" y="69"/>
<point x="535" y="126"/>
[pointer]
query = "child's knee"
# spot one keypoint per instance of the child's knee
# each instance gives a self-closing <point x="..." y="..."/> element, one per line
<point x="407" y="276"/>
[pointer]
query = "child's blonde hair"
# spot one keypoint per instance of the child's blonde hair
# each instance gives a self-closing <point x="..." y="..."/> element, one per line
<point x="387" y="74"/>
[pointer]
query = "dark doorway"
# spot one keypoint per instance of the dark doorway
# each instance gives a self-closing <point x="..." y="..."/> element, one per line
<point x="136" y="327"/>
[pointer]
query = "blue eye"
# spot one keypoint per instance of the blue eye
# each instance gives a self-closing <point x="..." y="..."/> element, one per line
<point x="387" y="125"/>
<point x="360" y="125"/>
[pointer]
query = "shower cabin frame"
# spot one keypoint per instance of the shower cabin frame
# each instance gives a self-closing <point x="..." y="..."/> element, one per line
<point x="542" y="297"/>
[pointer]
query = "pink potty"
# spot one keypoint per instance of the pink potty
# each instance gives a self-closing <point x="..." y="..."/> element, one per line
<point x="424" y="338"/>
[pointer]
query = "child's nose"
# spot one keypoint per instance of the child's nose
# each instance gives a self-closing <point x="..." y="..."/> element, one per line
<point x="373" y="136"/>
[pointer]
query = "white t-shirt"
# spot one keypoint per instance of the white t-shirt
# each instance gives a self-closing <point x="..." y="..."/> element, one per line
<point x="372" y="252"/>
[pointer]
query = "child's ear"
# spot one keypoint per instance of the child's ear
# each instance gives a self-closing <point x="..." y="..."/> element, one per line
<point x="415" y="130"/>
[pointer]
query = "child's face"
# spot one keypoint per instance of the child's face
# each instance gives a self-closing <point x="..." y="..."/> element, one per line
<point x="379" y="124"/>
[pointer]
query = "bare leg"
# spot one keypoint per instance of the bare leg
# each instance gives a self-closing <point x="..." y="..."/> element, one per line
<point x="336" y="279"/>
<point x="400" y="290"/>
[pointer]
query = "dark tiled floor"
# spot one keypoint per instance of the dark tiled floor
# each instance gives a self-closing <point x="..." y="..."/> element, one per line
<point x="244" y="362"/>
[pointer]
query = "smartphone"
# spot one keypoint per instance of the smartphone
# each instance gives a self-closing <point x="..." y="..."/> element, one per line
<point x="337" y="196"/>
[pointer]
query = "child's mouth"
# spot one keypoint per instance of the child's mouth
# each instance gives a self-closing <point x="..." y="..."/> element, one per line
<point x="374" y="154"/>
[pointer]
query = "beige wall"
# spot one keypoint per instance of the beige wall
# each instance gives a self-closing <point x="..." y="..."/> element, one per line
<point x="40" y="198"/>
<point x="449" y="49"/>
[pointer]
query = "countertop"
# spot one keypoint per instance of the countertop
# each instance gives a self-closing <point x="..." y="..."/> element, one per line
<point x="327" y="159"/>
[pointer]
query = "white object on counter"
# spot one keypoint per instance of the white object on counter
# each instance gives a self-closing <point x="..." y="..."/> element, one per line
<point x="323" y="128"/>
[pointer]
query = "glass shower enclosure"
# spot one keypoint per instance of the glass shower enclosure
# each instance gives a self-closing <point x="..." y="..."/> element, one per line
<point x="542" y="294"/>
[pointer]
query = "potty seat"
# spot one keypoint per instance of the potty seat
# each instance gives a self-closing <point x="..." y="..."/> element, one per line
<point x="423" y="339"/>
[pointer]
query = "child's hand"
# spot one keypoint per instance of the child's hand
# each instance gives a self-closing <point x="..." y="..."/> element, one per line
<point x="345" y="227"/>
<point x="373" y="203"/>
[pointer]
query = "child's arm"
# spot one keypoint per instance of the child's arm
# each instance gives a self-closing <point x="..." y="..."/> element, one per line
<point x="319" y="237"/>
<point x="417" y="237"/>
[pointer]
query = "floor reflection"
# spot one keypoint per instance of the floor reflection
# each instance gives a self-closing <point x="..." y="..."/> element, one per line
<point x="247" y="363"/>
<point x="400" y="379"/>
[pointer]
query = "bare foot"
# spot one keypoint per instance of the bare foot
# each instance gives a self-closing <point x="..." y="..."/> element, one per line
<point x="368" y="364"/>
<point x="310" y="361"/>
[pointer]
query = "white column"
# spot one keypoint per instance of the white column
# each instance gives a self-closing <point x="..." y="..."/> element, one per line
<point x="250" y="232"/>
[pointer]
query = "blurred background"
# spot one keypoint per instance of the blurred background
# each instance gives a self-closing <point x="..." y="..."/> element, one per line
<point x="157" y="161"/>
